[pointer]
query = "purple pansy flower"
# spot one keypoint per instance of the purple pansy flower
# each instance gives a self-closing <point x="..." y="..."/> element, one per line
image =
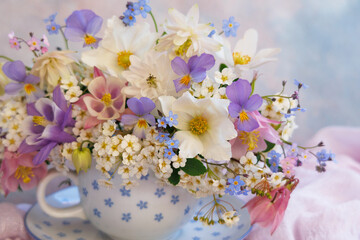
<point x="194" y="70"/>
<point x="242" y="103"/>
<point x="17" y="72"/>
<point x="45" y="126"/>
<point x="142" y="118"/>
<point x="82" y="25"/>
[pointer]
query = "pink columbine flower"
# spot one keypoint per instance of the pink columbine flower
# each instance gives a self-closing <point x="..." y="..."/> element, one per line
<point x="19" y="170"/>
<point x="254" y="140"/>
<point x="105" y="100"/>
<point x="267" y="211"/>
<point x="33" y="44"/>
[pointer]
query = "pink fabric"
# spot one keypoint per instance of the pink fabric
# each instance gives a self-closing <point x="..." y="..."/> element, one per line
<point x="11" y="223"/>
<point x="324" y="206"/>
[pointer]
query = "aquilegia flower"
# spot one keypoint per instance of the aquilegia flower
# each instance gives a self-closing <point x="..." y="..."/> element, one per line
<point x="142" y="118"/>
<point x="27" y="83"/>
<point x="19" y="170"/>
<point x="82" y="25"/>
<point x="242" y="104"/>
<point x="194" y="70"/>
<point x="203" y="124"/>
<point x="105" y="100"/>
<point x="45" y="126"/>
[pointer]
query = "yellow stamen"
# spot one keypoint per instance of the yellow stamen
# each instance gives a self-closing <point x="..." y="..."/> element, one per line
<point x="89" y="39"/>
<point x="224" y="78"/>
<point x="106" y="99"/>
<point x="25" y="173"/>
<point x="243" y="116"/>
<point x="198" y="125"/>
<point x="241" y="59"/>
<point x="185" y="80"/>
<point x="124" y="59"/>
<point x="250" y="138"/>
<point x="183" y="48"/>
<point x="29" y="88"/>
<point x="235" y="183"/>
<point x="151" y="81"/>
<point x="40" y="120"/>
<point x="230" y="25"/>
<point x="142" y="123"/>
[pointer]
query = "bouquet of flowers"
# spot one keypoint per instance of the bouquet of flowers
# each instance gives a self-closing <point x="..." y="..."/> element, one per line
<point x="180" y="102"/>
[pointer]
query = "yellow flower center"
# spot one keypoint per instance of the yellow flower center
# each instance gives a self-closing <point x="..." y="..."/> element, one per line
<point x="89" y="39"/>
<point x="40" y="120"/>
<point x="142" y="123"/>
<point x="230" y="25"/>
<point x="29" y="88"/>
<point x="250" y="138"/>
<point x="241" y="59"/>
<point x="236" y="183"/>
<point x="151" y="81"/>
<point x="183" y="48"/>
<point x="106" y="99"/>
<point x="224" y="78"/>
<point x="243" y="116"/>
<point x="124" y="59"/>
<point x="185" y="80"/>
<point x="25" y="173"/>
<point x="198" y="125"/>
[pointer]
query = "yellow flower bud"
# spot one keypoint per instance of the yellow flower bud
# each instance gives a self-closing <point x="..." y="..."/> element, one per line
<point x="81" y="159"/>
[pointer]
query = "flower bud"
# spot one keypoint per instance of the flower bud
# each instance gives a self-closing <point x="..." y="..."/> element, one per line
<point x="81" y="159"/>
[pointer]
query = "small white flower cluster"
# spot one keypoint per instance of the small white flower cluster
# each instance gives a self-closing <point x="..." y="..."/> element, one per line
<point x="72" y="90"/>
<point x="13" y="113"/>
<point x="276" y="110"/>
<point x="207" y="89"/>
<point x="231" y="218"/>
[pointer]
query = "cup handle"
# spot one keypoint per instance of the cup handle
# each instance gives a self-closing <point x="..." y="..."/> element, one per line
<point x="74" y="211"/>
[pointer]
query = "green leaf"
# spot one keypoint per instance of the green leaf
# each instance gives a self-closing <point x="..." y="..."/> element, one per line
<point x="269" y="146"/>
<point x="268" y="163"/>
<point x="222" y="66"/>
<point x="277" y="126"/>
<point x="252" y="86"/>
<point x="194" y="167"/>
<point x="258" y="157"/>
<point x="174" y="179"/>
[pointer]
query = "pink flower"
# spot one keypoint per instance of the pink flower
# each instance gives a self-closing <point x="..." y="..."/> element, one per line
<point x="105" y="100"/>
<point x="254" y="140"/>
<point x="267" y="211"/>
<point x="33" y="44"/>
<point x="19" y="170"/>
<point x="13" y="41"/>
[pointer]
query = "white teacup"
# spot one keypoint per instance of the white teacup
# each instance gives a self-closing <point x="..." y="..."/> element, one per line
<point x="148" y="211"/>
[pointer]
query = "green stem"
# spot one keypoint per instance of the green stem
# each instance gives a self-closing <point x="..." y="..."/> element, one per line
<point x="290" y="143"/>
<point x="153" y="18"/>
<point x="65" y="40"/>
<point x="81" y="145"/>
<point x="268" y="96"/>
<point x="221" y="33"/>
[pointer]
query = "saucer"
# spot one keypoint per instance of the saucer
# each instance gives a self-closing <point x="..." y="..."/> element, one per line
<point x="43" y="227"/>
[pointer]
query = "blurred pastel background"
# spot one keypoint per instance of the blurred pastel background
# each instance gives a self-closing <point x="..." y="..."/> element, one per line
<point x="319" y="42"/>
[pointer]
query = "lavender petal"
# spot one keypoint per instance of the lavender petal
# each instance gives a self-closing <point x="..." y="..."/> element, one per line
<point x="59" y="98"/>
<point x="15" y="70"/>
<point x="234" y="109"/>
<point x="136" y="106"/>
<point x="129" y="119"/>
<point x="248" y="125"/>
<point x="43" y="154"/>
<point x="254" y="102"/>
<point x="179" y="66"/>
<point x="13" y="88"/>
<point x="148" y="104"/>
<point x="239" y="91"/>
<point x="94" y="25"/>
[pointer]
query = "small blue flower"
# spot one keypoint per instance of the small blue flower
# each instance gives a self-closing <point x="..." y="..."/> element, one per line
<point x="187" y="209"/>
<point x="235" y="183"/>
<point x="300" y="85"/>
<point x="162" y="137"/>
<point x="174" y="199"/>
<point x="95" y="185"/>
<point x="126" y="217"/>
<point x="53" y="28"/>
<point x="230" y="27"/>
<point x="168" y="153"/>
<point x="212" y="32"/>
<point x="97" y="212"/>
<point x="324" y="156"/>
<point x="274" y="155"/>
<point x="125" y="192"/>
<point x="85" y="192"/>
<point x="293" y="150"/>
<point x="274" y="164"/>
<point x="171" y="143"/>
<point x="298" y="109"/>
<point x="142" y="205"/>
<point x="171" y="120"/>
<point x="51" y="18"/>
<point x="129" y="18"/>
<point x="158" y="217"/>
<point x="108" y="202"/>
<point x="162" y="122"/>
<point x="142" y="8"/>
<point x="159" y="192"/>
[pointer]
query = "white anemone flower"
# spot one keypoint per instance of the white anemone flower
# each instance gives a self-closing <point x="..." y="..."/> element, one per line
<point x="186" y="36"/>
<point x="119" y="43"/>
<point x="150" y="77"/>
<point x="204" y="126"/>
<point x="245" y="56"/>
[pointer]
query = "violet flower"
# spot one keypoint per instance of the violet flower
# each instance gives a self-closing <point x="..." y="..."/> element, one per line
<point x="194" y="70"/>
<point x="45" y="127"/>
<point x="142" y="118"/>
<point x="242" y="103"/>
<point x="82" y="25"/>
<point x="17" y="72"/>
